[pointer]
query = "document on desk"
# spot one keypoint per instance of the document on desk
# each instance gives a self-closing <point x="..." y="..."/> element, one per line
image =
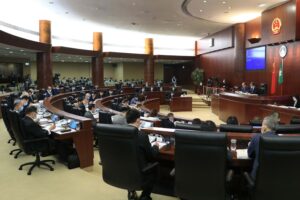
<point x="242" y="154"/>
<point x="160" y="144"/>
<point x="64" y="131"/>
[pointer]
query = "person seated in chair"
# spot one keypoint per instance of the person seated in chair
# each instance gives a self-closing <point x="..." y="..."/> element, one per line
<point x="232" y="120"/>
<point x="252" y="89"/>
<point x="147" y="153"/>
<point x="168" y="122"/>
<point x="268" y="128"/>
<point x="244" y="88"/>
<point x="21" y="105"/>
<point x="89" y="114"/>
<point x="33" y="130"/>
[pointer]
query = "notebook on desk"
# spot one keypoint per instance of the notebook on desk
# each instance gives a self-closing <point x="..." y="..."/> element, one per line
<point x="242" y="154"/>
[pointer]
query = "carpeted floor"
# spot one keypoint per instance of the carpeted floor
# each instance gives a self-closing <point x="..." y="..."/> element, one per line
<point x="62" y="183"/>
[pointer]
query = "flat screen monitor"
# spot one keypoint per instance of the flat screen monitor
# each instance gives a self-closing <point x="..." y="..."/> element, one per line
<point x="256" y="58"/>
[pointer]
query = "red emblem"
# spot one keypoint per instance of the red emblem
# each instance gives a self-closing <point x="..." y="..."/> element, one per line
<point x="276" y="26"/>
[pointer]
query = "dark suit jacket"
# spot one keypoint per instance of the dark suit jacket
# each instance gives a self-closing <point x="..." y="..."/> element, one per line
<point x="244" y="89"/>
<point x="166" y="123"/>
<point x="253" y="90"/>
<point x="253" y="150"/>
<point x="33" y="129"/>
<point x="147" y="152"/>
<point x="88" y="114"/>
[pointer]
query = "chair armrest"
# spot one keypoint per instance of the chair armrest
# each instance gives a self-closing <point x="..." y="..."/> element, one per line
<point x="149" y="167"/>
<point x="229" y="175"/>
<point x="249" y="179"/>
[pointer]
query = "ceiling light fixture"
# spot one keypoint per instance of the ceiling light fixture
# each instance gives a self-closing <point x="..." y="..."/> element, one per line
<point x="261" y="5"/>
<point x="254" y="40"/>
<point x="223" y="2"/>
<point x="204" y="1"/>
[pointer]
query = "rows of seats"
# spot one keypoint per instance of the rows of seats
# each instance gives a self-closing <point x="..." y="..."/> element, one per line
<point x="206" y="177"/>
<point x="14" y="126"/>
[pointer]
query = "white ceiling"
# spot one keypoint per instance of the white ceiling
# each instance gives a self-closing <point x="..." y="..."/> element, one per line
<point x="125" y="23"/>
<point x="168" y="17"/>
<point x="192" y="18"/>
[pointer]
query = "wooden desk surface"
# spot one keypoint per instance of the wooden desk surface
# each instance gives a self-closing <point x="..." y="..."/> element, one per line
<point x="168" y="152"/>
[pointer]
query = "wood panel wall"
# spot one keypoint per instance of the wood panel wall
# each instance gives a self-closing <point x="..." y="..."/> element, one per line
<point x="216" y="42"/>
<point x="228" y="63"/>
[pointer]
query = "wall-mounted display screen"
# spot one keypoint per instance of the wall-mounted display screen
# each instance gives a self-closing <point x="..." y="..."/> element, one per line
<point x="256" y="58"/>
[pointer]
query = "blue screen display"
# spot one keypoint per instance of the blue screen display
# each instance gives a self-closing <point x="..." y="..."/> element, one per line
<point x="255" y="58"/>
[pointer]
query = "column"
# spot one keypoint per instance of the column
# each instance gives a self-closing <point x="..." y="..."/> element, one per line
<point x="44" y="59"/>
<point x="149" y="62"/>
<point x="97" y="61"/>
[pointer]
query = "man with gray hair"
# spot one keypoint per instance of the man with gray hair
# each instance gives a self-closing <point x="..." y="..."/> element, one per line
<point x="267" y="129"/>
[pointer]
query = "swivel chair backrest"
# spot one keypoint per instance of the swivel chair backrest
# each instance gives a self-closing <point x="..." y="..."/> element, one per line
<point x="196" y="127"/>
<point x="201" y="157"/>
<point x="236" y="128"/>
<point x="118" y="147"/>
<point x="289" y="128"/>
<point x="15" y="121"/>
<point x="278" y="175"/>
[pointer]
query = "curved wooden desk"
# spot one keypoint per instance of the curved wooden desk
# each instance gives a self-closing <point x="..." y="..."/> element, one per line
<point x="285" y="113"/>
<point x="244" y="107"/>
<point x="83" y="138"/>
<point x="181" y="104"/>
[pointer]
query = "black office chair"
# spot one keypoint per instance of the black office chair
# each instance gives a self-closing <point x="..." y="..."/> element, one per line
<point x="196" y="127"/>
<point x="236" y="128"/>
<point x="200" y="165"/>
<point x="255" y="122"/>
<point x="104" y="117"/>
<point x="119" y="153"/>
<point x="30" y="146"/>
<point x="14" y="130"/>
<point x="289" y="128"/>
<point x="4" y="111"/>
<point x="278" y="174"/>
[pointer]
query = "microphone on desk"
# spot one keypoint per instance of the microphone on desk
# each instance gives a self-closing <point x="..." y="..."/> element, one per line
<point x="295" y="101"/>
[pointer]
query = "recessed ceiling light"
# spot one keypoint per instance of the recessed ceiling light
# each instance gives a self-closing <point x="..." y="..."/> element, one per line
<point x="229" y="7"/>
<point x="223" y="2"/>
<point x="204" y="1"/>
<point x="201" y="10"/>
<point x="21" y="50"/>
<point x="86" y="61"/>
<point x="7" y="48"/>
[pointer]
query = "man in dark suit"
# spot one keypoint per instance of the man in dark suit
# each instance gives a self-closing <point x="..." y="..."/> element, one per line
<point x="34" y="130"/>
<point x="252" y="89"/>
<point x="244" y="88"/>
<point x="49" y="92"/>
<point x="168" y="122"/>
<point x="268" y="129"/>
<point x="89" y="114"/>
<point x="147" y="153"/>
